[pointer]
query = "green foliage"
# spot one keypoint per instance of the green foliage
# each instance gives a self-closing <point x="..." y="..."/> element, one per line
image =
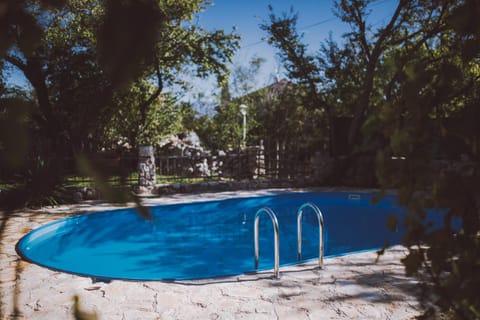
<point x="183" y="44"/>
<point x="127" y="37"/>
<point x="14" y="117"/>
<point x="328" y="81"/>
<point x="97" y="71"/>
<point x="127" y="127"/>
<point x="275" y="115"/>
<point x="224" y="130"/>
<point x="412" y="90"/>
<point x="299" y="64"/>
<point x="435" y="100"/>
<point x="243" y="78"/>
<point x="19" y="26"/>
<point x="163" y="119"/>
<point x="282" y="118"/>
<point x="28" y="179"/>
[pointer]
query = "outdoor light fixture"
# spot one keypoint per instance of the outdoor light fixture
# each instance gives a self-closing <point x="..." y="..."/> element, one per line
<point x="243" y="111"/>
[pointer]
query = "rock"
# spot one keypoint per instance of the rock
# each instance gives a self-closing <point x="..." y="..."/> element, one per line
<point x="143" y="190"/>
<point x="146" y="167"/>
<point x="91" y="194"/>
<point x="187" y="188"/>
<point x="77" y="196"/>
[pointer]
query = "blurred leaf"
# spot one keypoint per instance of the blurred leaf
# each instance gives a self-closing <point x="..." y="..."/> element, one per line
<point x="107" y="191"/>
<point x="87" y="168"/>
<point x="392" y="223"/>
<point x="143" y="211"/>
<point x="377" y="197"/>
<point x="400" y="142"/>
<point x="464" y="18"/>
<point x="413" y="262"/>
<point x="127" y="38"/>
<point x="29" y="34"/>
<point x="14" y="136"/>
<point x="53" y="3"/>
<point x="79" y="314"/>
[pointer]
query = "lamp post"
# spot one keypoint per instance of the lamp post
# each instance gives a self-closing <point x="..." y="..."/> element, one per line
<point x="243" y="111"/>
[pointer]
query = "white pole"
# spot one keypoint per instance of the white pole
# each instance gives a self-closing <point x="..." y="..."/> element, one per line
<point x="244" y="130"/>
<point x="243" y="111"/>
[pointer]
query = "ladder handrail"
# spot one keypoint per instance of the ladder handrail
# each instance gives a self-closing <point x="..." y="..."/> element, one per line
<point x="273" y="217"/>
<point x="320" y="231"/>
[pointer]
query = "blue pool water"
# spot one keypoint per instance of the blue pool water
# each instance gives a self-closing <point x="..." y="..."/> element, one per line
<point x="207" y="239"/>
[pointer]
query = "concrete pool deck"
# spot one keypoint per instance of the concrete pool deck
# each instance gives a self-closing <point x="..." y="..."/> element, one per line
<point x="348" y="287"/>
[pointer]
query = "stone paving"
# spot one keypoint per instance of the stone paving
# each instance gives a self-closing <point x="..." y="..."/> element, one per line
<point x="348" y="287"/>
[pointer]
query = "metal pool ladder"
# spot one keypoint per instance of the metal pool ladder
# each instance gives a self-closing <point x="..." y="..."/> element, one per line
<point x="320" y="231"/>
<point x="273" y="217"/>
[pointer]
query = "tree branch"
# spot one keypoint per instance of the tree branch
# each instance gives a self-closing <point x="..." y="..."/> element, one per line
<point x="438" y="27"/>
<point x="358" y="17"/>
<point x="32" y="71"/>
<point x="145" y="105"/>
<point x="387" y="30"/>
<point x="364" y="100"/>
<point x="16" y="62"/>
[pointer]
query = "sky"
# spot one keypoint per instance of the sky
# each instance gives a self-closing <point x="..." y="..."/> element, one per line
<point x="316" y="21"/>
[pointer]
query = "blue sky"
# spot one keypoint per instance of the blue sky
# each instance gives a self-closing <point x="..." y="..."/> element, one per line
<point x="315" y="18"/>
<point x="316" y="21"/>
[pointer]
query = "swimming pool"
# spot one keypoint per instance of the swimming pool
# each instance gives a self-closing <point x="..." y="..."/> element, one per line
<point x="208" y="239"/>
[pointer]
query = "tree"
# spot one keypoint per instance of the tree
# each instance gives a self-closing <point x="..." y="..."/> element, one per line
<point x="431" y="120"/>
<point x="224" y="130"/>
<point x="243" y="78"/>
<point x="315" y="74"/>
<point x="341" y="81"/>
<point x="128" y="127"/>
<point x="79" y="67"/>
<point x="69" y="51"/>
<point x="416" y="84"/>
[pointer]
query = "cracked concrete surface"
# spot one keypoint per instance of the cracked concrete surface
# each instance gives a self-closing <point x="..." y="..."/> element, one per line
<point x="348" y="287"/>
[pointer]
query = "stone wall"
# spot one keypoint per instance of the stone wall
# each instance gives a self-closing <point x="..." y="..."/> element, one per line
<point x="146" y="168"/>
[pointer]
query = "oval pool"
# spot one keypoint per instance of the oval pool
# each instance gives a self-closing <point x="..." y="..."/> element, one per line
<point x="207" y="239"/>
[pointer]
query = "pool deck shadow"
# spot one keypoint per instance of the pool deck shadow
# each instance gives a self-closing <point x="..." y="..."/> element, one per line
<point x="348" y="287"/>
